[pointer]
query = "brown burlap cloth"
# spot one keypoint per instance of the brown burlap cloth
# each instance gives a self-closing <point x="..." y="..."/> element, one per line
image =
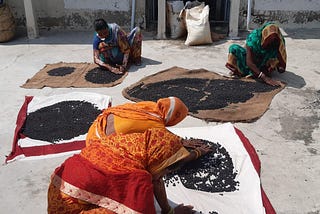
<point x="247" y="111"/>
<point x="75" y="79"/>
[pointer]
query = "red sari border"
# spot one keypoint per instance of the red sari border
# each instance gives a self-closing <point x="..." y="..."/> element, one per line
<point x="36" y="150"/>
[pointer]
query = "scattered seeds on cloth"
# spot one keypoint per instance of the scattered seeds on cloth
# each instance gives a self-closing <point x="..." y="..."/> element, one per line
<point x="101" y="76"/>
<point x="61" y="121"/>
<point x="62" y="71"/>
<point x="200" y="94"/>
<point x="213" y="172"/>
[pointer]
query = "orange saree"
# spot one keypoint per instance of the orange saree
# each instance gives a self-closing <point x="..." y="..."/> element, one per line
<point x="114" y="175"/>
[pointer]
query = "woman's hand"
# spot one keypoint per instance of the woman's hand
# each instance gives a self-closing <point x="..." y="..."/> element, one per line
<point x="199" y="148"/>
<point x="181" y="209"/>
<point x="122" y="68"/>
<point x="116" y="70"/>
<point x="270" y="81"/>
<point x="192" y="143"/>
<point x="281" y="70"/>
<point x="204" y="149"/>
<point x="102" y="45"/>
<point x="254" y="68"/>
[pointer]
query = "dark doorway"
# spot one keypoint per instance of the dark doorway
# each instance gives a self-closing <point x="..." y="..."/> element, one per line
<point x="218" y="17"/>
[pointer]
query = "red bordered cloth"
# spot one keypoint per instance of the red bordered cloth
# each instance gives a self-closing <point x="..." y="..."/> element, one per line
<point x="43" y="149"/>
<point x="257" y="165"/>
<point x="249" y="196"/>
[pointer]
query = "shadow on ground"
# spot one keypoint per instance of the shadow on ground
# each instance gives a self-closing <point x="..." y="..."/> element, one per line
<point x="145" y="62"/>
<point x="291" y="79"/>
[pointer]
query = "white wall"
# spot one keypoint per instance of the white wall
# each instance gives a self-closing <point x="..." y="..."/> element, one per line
<point x="110" y="5"/>
<point x="79" y="14"/>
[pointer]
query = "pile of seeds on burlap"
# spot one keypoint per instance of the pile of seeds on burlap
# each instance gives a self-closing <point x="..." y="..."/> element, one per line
<point x="61" y="71"/>
<point x="201" y="94"/>
<point x="61" y="121"/>
<point x="101" y="76"/>
<point x="213" y="172"/>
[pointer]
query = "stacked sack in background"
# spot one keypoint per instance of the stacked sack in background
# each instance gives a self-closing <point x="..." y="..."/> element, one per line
<point x="196" y="16"/>
<point x="191" y="21"/>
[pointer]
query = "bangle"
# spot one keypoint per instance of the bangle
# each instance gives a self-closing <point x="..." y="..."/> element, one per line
<point x="198" y="153"/>
<point x="260" y="75"/>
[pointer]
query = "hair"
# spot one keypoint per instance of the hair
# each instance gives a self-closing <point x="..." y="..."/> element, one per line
<point x="100" y="24"/>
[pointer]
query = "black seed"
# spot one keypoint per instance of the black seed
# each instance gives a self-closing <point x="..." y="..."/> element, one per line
<point x="61" y="121"/>
<point x="200" y="94"/>
<point x="213" y="172"/>
<point x="62" y="71"/>
<point x="101" y="76"/>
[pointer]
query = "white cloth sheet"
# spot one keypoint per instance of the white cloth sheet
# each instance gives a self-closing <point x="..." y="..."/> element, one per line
<point x="98" y="100"/>
<point x="247" y="199"/>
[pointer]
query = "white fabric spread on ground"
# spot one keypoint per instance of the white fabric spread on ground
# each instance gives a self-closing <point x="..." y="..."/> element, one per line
<point x="247" y="199"/>
<point x="98" y="100"/>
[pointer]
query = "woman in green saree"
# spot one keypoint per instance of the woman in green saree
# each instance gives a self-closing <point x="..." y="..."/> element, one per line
<point x="264" y="53"/>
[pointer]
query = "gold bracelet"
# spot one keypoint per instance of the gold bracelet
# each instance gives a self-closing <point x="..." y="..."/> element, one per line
<point x="198" y="153"/>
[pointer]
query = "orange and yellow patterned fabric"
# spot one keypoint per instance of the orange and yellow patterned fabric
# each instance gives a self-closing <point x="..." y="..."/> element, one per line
<point x="137" y="117"/>
<point x="150" y="151"/>
<point x="115" y="173"/>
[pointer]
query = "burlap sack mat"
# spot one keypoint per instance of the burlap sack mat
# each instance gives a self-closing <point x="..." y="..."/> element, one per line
<point x="247" y="111"/>
<point x="75" y="79"/>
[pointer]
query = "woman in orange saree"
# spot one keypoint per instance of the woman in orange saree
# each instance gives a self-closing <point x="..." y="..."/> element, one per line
<point x="138" y="117"/>
<point x="120" y="173"/>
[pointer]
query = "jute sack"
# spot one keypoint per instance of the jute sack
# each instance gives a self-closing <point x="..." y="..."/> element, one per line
<point x="7" y="24"/>
<point x="198" y="26"/>
<point x="175" y="26"/>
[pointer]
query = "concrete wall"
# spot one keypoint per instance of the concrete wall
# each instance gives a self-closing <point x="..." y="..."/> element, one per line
<point x="79" y="14"/>
<point x="288" y="13"/>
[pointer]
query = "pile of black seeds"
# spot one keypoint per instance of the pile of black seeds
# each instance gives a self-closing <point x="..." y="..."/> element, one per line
<point x="213" y="172"/>
<point x="201" y="94"/>
<point x="101" y="76"/>
<point x="211" y="212"/>
<point x="62" y="71"/>
<point x="61" y="121"/>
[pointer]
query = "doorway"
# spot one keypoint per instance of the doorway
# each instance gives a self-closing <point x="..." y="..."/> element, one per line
<point x="218" y="15"/>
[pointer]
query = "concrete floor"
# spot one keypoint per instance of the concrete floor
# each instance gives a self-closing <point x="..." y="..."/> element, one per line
<point x="286" y="137"/>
